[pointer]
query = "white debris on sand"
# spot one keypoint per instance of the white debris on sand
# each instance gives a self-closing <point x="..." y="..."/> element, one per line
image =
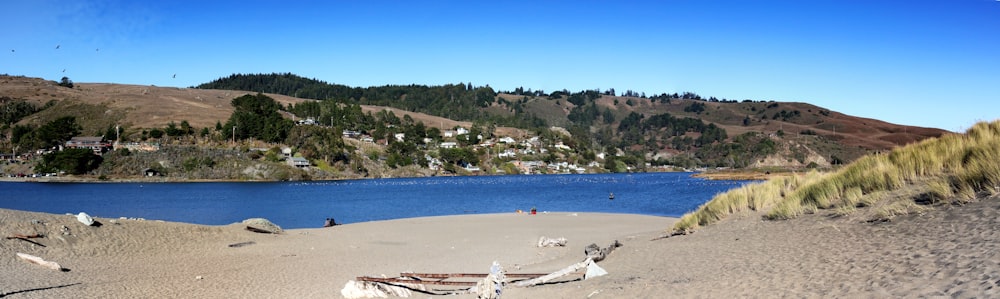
<point x="551" y="242"/>
<point x="85" y="219"/>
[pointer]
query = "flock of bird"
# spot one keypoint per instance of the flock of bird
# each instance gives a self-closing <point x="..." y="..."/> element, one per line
<point x="174" y="76"/>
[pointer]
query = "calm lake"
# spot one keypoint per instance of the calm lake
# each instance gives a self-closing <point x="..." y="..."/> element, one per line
<point x="308" y="204"/>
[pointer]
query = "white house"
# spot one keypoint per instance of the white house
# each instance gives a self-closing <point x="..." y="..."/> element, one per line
<point x="507" y="140"/>
<point x="508" y="153"/>
<point x="399" y="136"/>
<point x="461" y="131"/>
<point x="448" y="144"/>
<point x="299" y="162"/>
<point x="351" y="133"/>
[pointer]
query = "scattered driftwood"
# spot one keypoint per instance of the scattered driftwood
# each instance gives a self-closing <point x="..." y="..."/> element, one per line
<point x="598" y="254"/>
<point x="259" y="230"/>
<point x="241" y="244"/>
<point x="37" y="260"/>
<point x="490" y="286"/>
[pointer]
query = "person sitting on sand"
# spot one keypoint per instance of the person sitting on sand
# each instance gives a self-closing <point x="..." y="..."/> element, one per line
<point x="329" y="222"/>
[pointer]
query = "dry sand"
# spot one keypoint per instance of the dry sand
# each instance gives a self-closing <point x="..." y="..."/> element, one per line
<point x="950" y="252"/>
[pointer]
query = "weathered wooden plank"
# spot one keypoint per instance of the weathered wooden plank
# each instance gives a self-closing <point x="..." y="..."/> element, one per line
<point x="474" y="275"/>
<point x="411" y="281"/>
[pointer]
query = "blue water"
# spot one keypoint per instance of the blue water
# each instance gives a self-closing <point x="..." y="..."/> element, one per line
<point x="307" y="204"/>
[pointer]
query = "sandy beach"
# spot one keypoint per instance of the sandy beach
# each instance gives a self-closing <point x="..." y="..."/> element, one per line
<point x="948" y="252"/>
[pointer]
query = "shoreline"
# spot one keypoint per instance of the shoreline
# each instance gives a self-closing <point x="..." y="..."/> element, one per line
<point x="949" y="251"/>
<point x="143" y="179"/>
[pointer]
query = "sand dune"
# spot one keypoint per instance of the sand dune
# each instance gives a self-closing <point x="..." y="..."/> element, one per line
<point x="947" y="252"/>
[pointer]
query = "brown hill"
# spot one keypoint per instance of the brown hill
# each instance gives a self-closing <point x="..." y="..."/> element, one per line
<point x="849" y="130"/>
<point x="97" y="105"/>
<point x="807" y="131"/>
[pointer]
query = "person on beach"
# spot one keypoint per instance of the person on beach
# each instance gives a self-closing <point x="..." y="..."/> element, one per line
<point x="329" y="222"/>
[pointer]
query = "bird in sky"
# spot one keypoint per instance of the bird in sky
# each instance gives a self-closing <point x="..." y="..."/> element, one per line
<point x="175" y="76"/>
<point x="57" y="47"/>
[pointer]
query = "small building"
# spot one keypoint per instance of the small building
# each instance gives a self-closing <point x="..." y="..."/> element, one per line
<point x="309" y="121"/>
<point x="150" y="172"/>
<point x="299" y="162"/>
<point x="351" y="134"/>
<point x="448" y="144"/>
<point x="508" y="153"/>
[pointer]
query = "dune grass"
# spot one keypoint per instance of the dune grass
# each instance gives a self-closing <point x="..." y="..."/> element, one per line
<point x="953" y="168"/>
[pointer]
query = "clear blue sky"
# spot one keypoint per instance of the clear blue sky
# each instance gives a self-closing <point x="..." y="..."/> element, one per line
<point x="925" y="63"/>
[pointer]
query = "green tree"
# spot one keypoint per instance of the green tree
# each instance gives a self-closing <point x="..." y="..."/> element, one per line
<point x="58" y="131"/>
<point x="66" y="82"/>
<point x="256" y="116"/>
<point x="72" y="161"/>
<point x="156" y="133"/>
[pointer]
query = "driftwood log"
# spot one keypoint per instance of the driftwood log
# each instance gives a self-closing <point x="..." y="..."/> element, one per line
<point x="20" y="236"/>
<point x="241" y="244"/>
<point x="598" y="254"/>
<point x="27" y="238"/>
<point x="259" y="230"/>
<point x="549" y="277"/>
<point x="37" y="260"/>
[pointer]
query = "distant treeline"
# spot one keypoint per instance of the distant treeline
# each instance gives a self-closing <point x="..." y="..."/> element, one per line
<point x="461" y="101"/>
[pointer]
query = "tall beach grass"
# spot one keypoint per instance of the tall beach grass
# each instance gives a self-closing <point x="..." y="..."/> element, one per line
<point x="951" y="168"/>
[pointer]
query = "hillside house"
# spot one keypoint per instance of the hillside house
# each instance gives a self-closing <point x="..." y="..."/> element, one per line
<point x="96" y="144"/>
<point x="150" y="172"/>
<point x="307" y="122"/>
<point x="299" y="162"/>
<point x="507" y="153"/>
<point x="449" y="144"/>
<point x="351" y="134"/>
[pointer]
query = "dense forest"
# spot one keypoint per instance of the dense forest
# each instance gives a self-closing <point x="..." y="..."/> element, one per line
<point x="460" y="101"/>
